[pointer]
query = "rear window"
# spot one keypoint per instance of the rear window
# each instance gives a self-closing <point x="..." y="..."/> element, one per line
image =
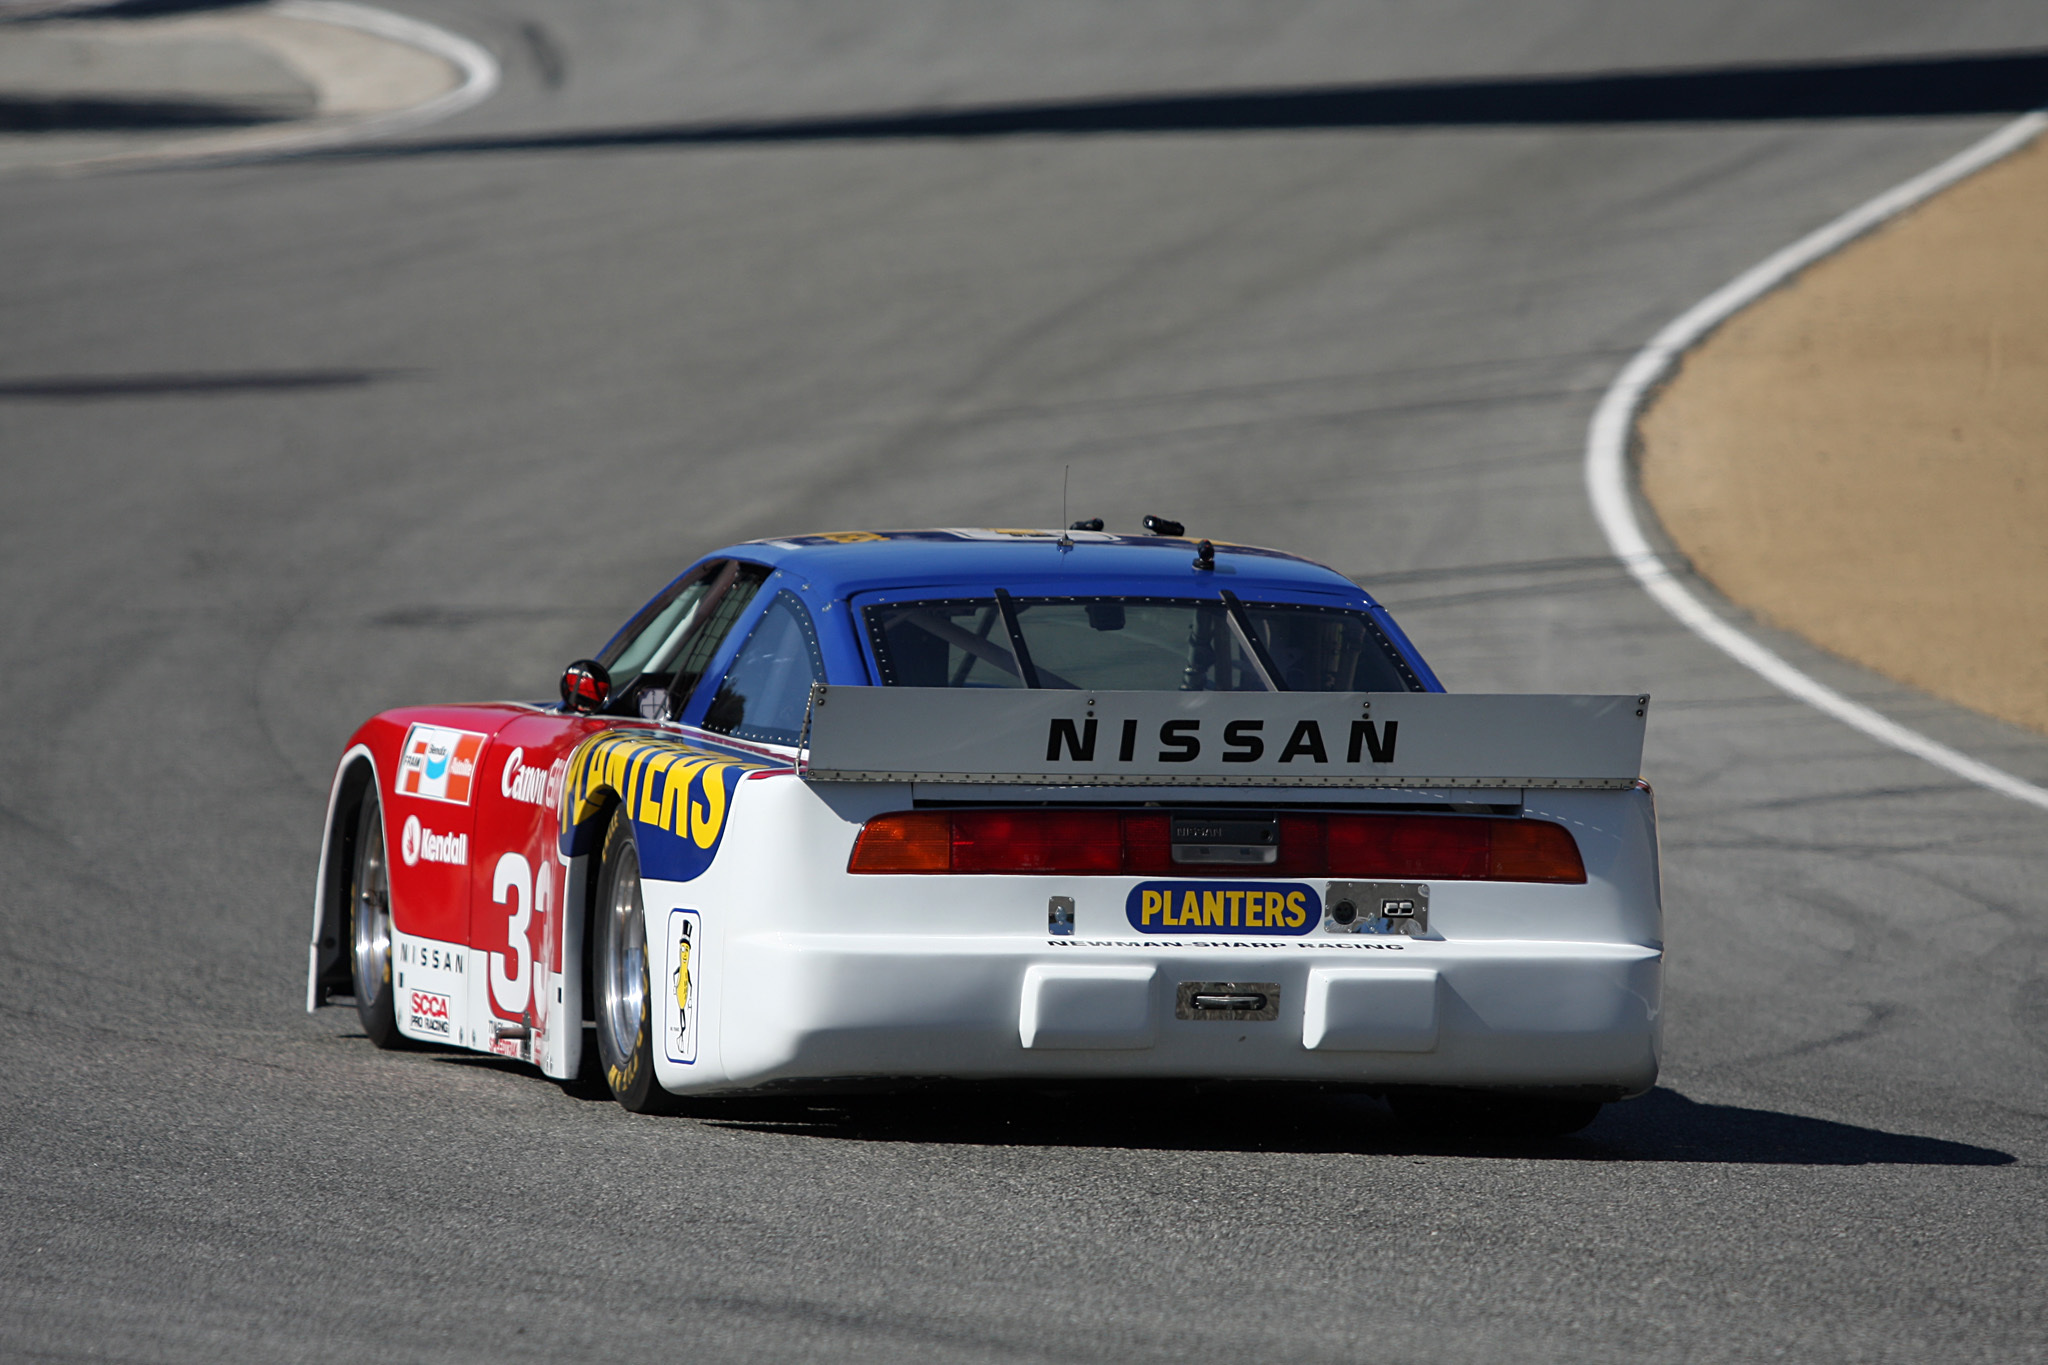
<point x="1135" y="644"/>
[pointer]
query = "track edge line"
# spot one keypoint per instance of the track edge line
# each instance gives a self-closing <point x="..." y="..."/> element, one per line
<point x="478" y="70"/>
<point x="1610" y="486"/>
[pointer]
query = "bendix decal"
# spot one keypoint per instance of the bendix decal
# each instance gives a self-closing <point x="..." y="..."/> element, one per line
<point x="438" y="764"/>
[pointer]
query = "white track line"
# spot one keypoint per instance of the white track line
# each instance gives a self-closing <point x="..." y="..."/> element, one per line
<point x="1607" y="469"/>
<point x="478" y="67"/>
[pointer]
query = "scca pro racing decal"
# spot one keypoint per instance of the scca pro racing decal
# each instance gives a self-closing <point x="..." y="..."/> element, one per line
<point x="428" y="1013"/>
<point x="1273" y="908"/>
<point x="678" y="795"/>
<point x="438" y="764"/>
<point x="685" y="983"/>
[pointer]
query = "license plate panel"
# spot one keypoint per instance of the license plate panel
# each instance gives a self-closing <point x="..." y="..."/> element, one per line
<point x="1376" y="908"/>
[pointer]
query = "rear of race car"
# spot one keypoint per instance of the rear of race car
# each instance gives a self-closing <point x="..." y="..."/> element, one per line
<point x="1426" y="890"/>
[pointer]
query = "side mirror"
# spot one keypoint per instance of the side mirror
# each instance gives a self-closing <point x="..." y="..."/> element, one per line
<point x="586" y="686"/>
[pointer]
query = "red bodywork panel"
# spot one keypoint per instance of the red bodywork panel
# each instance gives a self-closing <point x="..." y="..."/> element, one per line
<point x="469" y="796"/>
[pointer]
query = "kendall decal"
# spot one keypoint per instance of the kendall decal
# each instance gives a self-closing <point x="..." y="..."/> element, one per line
<point x="418" y="844"/>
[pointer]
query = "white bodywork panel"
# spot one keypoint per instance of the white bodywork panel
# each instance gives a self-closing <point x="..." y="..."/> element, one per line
<point x="803" y="971"/>
<point x="777" y="967"/>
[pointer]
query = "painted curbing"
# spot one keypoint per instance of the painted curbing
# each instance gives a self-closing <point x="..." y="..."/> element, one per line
<point x="1609" y="483"/>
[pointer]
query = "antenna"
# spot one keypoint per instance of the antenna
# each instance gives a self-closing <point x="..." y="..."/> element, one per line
<point x="1066" y="472"/>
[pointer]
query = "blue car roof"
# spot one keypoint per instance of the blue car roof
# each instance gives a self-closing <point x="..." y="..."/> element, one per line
<point x="842" y="564"/>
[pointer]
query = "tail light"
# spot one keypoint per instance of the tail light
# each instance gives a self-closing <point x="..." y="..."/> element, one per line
<point x="1082" y="842"/>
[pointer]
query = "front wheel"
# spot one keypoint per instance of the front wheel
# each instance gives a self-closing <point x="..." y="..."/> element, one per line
<point x="369" y="912"/>
<point x="625" y="1032"/>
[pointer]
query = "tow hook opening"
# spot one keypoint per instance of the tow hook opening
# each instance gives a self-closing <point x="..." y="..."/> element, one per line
<point x="1227" y="1001"/>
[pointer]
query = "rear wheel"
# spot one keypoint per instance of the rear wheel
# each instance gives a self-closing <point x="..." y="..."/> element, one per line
<point x="369" y="912"/>
<point x="625" y="1032"/>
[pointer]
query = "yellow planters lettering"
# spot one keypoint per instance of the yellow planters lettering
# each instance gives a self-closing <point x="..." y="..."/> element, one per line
<point x="616" y="769"/>
<point x="707" y="820"/>
<point x="675" y="791"/>
<point x="1250" y="909"/>
<point x="675" y="797"/>
<point x="650" y="770"/>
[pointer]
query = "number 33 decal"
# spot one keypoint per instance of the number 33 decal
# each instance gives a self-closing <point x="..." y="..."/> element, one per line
<point x="512" y="971"/>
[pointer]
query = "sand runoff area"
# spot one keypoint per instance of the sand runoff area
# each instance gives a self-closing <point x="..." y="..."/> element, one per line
<point x="1862" y="456"/>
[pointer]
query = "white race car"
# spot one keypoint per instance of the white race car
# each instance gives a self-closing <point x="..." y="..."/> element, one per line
<point x="878" y="808"/>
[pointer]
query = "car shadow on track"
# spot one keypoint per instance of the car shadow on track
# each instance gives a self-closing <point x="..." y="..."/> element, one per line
<point x="1663" y="1126"/>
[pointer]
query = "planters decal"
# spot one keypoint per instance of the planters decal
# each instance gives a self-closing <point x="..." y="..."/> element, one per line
<point x="1186" y="907"/>
<point x="678" y="794"/>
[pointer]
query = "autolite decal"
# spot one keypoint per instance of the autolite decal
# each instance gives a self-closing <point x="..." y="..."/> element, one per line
<point x="427" y="1012"/>
<point x="1267" y="908"/>
<point x="418" y="844"/>
<point x="438" y="764"/>
<point x="677" y="794"/>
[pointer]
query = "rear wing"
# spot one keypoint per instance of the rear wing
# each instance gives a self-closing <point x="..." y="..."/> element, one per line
<point x="1221" y="739"/>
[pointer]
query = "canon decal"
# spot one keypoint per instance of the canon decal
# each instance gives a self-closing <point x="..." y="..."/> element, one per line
<point x="419" y="844"/>
<point x="535" y="786"/>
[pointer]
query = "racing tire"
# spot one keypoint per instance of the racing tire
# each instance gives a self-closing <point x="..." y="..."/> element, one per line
<point x="1481" y="1117"/>
<point x="369" y="915"/>
<point x="621" y="994"/>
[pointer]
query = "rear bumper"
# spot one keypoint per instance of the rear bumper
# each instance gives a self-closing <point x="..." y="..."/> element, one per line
<point x="1505" y="1014"/>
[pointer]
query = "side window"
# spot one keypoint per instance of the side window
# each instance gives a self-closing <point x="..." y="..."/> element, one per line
<point x="705" y="641"/>
<point x="660" y="626"/>
<point x="768" y="686"/>
<point x="660" y="665"/>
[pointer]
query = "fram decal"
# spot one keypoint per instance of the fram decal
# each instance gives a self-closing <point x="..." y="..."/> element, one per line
<point x="1243" y="741"/>
<point x="1267" y="908"/>
<point x="427" y="1012"/>
<point x="685" y="983"/>
<point x="418" y="844"/>
<point x="677" y="794"/>
<point x="438" y="764"/>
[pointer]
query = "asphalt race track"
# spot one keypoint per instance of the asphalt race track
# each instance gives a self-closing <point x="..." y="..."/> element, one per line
<point x="284" y="444"/>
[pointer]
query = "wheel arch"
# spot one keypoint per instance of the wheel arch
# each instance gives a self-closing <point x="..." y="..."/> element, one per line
<point x="327" y="958"/>
<point x="584" y="844"/>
